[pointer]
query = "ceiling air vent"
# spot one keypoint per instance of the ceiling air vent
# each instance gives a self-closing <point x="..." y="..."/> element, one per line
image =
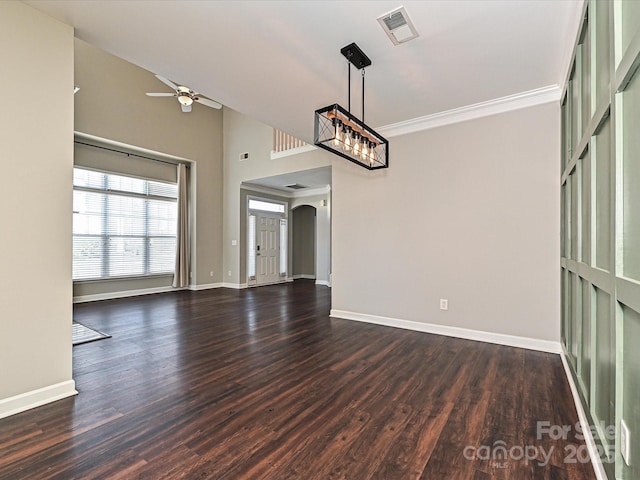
<point x="398" y="26"/>
<point x="295" y="186"/>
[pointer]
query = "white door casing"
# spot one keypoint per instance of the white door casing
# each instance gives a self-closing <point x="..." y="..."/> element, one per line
<point x="267" y="248"/>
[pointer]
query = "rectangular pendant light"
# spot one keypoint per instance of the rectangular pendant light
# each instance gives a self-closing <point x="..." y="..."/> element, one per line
<point x="341" y="133"/>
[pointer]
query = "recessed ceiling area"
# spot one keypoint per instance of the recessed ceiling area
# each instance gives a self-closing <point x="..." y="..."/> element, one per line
<point x="278" y="61"/>
<point x="314" y="178"/>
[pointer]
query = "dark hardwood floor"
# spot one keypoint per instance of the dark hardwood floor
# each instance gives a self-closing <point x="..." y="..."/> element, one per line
<point x="262" y="384"/>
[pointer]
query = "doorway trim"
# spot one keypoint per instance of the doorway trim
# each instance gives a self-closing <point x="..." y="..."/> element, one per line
<point x="252" y="246"/>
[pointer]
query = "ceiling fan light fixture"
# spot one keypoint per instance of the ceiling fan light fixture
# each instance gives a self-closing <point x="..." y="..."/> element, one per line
<point x="185" y="99"/>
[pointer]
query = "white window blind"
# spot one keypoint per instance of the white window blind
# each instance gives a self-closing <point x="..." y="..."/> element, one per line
<point x="266" y="206"/>
<point x="122" y="226"/>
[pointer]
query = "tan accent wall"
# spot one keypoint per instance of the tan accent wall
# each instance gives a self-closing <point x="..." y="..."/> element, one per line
<point x="36" y="145"/>
<point x="112" y="104"/>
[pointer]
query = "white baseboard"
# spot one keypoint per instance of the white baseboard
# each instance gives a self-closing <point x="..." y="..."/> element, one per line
<point x="596" y="461"/>
<point x="478" y="335"/>
<point x="204" y="286"/>
<point x="237" y="286"/>
<point x="36" y="398"/>
<point x="304" y="275"/>
<point x="123" y="294"/>
<point x="323" y="282"/>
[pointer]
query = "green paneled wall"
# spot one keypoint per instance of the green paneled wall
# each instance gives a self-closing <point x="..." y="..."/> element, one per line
<point x="601" y="225"/>
<point x="631" y="382"/>
<point x="584" y="369"/>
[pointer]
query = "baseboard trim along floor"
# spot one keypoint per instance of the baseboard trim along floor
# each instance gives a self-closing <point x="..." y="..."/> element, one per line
<point x="467" y="334"/>
<point x="36" y="398"/>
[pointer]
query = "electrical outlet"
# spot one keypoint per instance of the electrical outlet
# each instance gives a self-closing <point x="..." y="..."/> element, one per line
<point x="229" y="273"/>
<point x="444" y="304"/>
<point x="625" y="442"/>
<point x="211" y="274"/>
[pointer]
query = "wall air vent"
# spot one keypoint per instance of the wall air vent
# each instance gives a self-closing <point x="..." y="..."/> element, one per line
<point x="295" y="186"/>
<point x="398" y="26"/>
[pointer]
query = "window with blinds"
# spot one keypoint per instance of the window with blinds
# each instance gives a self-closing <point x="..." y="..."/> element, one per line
<point x="122" y="226"/>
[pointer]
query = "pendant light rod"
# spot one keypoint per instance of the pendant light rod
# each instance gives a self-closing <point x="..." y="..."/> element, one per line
<point x="340" y="132"/>
<point x="349" y="86"/>
<point x="359" y="59"/>
<point x="363" y="95"/>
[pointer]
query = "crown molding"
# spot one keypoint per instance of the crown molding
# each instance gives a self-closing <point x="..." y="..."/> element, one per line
<point x="252" y="187"/>
<point x="307" y="192"/>
<point x="311" y="192"/>
<point x="531" y="98"/>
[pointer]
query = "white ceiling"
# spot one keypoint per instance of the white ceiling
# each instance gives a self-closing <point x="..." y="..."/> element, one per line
<point x="278" y="61"/>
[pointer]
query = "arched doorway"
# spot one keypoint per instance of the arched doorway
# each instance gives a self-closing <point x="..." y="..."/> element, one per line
<point x="303" y="244"/>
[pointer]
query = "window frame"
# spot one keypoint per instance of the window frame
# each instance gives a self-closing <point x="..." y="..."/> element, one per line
<point x="106" y="236"/>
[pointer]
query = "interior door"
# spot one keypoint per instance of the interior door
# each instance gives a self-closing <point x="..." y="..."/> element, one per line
<point x="267" y="248"/>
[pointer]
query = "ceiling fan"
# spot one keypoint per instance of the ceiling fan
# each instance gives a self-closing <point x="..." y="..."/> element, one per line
<point x="185" y="96"/>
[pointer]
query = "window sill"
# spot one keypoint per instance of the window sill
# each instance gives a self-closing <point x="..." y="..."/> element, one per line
<point x="123" y="278"/>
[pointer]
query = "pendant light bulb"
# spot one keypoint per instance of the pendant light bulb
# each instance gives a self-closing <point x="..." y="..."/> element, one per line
<point x="337" y="138"/>
<point x="356" y="144"/>
<point x="372" y="152"/>
<point x="347" y="138"/>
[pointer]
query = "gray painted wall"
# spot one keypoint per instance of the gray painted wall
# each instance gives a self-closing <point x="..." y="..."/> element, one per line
<point x="303" y="245"/>
<point x="322" y="204"/>
<point x="467" y="212"/>
<point x="243" y="134"/>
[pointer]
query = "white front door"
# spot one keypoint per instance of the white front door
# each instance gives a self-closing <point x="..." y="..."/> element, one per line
<point x="267" y="248"/>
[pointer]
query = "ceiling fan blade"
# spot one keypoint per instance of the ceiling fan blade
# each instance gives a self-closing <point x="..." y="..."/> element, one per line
<point x="161" y="94"/>
<point x="209" y="103"/>
<point x="186" y="108"/>
<point x="167" y="82"/>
